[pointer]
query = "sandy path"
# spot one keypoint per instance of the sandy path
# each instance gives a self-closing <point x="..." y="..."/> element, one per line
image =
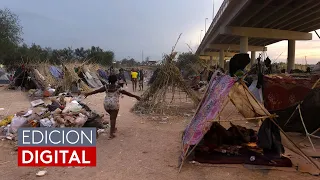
<point x="143" y="149"/>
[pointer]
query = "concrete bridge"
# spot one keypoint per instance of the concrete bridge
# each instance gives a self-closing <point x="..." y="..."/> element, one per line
<point x="250" y="25"/>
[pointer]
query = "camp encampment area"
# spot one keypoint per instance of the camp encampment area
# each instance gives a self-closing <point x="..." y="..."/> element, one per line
<point x="224" y="128"/>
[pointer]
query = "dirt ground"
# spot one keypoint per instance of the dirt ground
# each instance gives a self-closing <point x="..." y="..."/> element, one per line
<point x="143" y="149"/>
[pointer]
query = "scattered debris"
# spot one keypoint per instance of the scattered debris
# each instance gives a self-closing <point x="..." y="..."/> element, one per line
<point x="41" y="173"/>
<point x="163" y="122"/>
<point x="63" y="111"/>
<point x="165" y="118"/>
<point x="37" y="102"/>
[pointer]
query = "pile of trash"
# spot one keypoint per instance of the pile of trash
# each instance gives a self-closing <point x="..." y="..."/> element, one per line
<point x="61" y="111"/>
<point x="48" y="92"/>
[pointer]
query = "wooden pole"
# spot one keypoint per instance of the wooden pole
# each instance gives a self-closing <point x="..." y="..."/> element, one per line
<point x="246" y="119"/>
<point x="304" y="126"/>
<point x="188" y="154"/>
<point x="294" y="144"/>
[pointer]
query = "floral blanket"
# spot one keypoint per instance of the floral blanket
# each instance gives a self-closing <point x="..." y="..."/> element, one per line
<point x="280" y="92"/>
<point x="209" y="109"/>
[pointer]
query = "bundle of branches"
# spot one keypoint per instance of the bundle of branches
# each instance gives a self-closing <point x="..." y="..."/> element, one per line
<point x="94" y="67"/>
<point x="44" y="69"/>
<point x="190" y="64"/>
<point x="71" y="78"/>
<point x="168" y="80"/>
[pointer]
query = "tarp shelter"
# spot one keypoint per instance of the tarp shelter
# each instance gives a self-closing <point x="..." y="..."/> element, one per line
<point x="4" y="77"/>
<point x="283" y="91"/>
<point x="103" y="74"/>
<point x="29" y="78"/>
<point x="290" y="120"/>
<point x="316" y="68"/>
<point x="89" y="77"/>
<point x="220" y="91"/>
<point x="56" y="72"/>
<point x="301" y="117"/>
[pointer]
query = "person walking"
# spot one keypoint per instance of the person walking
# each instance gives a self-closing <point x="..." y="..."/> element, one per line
<point x="141" y="79"/>
<point x="134" y="79"/>
<point x="111" y="101"/>
<point x="121" y="78"/>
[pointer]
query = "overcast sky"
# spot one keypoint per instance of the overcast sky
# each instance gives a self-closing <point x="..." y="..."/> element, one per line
<point x="128" y="27"/>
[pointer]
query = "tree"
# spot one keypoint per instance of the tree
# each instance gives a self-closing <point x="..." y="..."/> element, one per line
<point x="12" y="52"/>
<point x="189" y="63"/>
<point x="10" y="35"/>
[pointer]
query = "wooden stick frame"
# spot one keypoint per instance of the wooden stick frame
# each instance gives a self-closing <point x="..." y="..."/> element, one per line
<point x="246" y="119"/>
<point x="188" y="153"/>
<point x="185" y="156"/>
<point x="270" y="116"/>
<point x="281" y="130"/>
<point x="308" y="135"/>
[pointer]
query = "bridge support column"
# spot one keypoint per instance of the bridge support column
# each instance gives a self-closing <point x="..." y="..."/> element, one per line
<point x="253" y="58"/>
<point x="244" y="44"/>
<point x="221" y="59"/>
<point x="291" y="55"/>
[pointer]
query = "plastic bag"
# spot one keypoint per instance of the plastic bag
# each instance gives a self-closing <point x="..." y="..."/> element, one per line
<point x="73" y="106"/>
<point x="16" y="123"/>
<point x="81" y="120"/>
<point x="46" y="122"/>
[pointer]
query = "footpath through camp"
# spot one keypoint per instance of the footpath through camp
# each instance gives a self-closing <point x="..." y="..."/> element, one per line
<point x="143" y="149"/>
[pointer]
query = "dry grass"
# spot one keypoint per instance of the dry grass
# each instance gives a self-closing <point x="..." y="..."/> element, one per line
<point x="70" y="76"/>
<point x="44" y="69"/>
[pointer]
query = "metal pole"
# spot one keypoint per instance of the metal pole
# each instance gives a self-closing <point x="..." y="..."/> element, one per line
<point x="205" y="26"/>
<point x="212" y="10"/>
<point x="317" y="34"/>
<point x="200" y="36"/>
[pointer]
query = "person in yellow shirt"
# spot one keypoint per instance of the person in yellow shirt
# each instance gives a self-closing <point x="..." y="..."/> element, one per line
<point x="134" y="79"/>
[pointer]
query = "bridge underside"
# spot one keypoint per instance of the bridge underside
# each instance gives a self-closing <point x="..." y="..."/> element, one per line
<point x="254" y="24"/>
<point x="290" y="15"/>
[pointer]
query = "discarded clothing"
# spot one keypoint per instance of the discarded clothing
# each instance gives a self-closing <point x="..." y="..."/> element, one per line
<point x="269" y="138"/>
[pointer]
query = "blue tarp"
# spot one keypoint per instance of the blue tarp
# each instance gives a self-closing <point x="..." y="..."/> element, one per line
<point x="103" y="74"/>
<point x="56" y="72"/>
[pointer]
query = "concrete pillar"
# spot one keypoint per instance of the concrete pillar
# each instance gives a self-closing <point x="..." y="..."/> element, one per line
<point x="221" y="59"/>
<point x="291" y="55"/>
<point x="253" y="58"/>
<point x="243" y="44"/>
<point x="211" y="61"/>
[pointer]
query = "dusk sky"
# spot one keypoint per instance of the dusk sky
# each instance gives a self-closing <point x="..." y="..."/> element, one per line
<point x="128" y="27"/>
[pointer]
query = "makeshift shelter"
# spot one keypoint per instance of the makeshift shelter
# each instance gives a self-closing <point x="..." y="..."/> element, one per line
<point x="301" y="117"/>
<point x="167" y="87"/>
<point x="282" y="91"/>
<point x="44" y="70"/>
<point x="56" y="72"/>
<point x="103" y="76"/>
<point x="290" y="120"/>
<point x="221" y="90"/>
<point x="71" y="80"/>
<point x="89" y="77"/>
<point x="4" y="77"/>
<point x="29" y="78"/>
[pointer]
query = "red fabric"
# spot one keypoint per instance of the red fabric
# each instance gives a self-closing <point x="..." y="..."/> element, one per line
<point x="281" y="91"/>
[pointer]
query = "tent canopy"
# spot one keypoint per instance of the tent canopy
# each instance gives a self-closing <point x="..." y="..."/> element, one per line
<point x="220" y="91"/>
<point x="4" y="77"/>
